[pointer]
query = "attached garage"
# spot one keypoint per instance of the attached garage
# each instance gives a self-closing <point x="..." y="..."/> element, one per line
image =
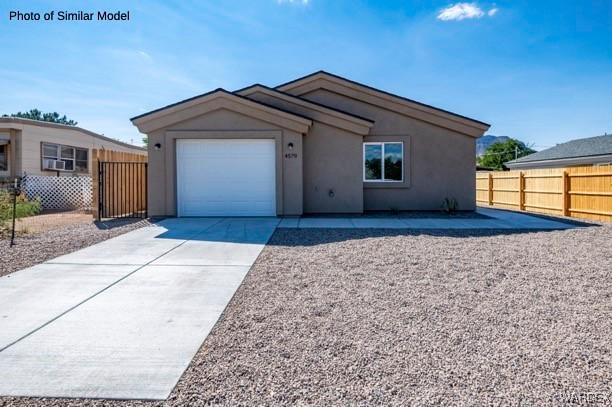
<point x="221" y="154"/>
<point x="226" y="177"/>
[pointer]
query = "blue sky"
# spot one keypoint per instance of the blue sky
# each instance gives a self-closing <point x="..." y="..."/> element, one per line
<point x="539" y="71"/>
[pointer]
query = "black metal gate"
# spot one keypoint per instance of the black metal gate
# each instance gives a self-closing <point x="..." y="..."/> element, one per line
<point x="122" y="189"/>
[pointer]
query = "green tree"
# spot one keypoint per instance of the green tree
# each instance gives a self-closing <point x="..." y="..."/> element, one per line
<point x="497" y="154"/>
<point x="36" y="114"/>
<point x="145" y="141"/>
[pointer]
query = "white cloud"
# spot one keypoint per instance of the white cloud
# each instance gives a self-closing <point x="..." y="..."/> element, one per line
<point x="302" y="2"/>
<point x="144" y="54"/>
<point x="463" y="11"/>
<point x="460" y="11"/>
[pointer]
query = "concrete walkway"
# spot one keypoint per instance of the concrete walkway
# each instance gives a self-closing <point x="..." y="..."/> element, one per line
<point x="123" y="318"/>
<point x="495" y="219"/>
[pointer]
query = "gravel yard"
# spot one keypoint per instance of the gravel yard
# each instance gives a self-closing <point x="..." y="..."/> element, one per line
<point x="44" y="243"/>
<point x="381" y="317"/>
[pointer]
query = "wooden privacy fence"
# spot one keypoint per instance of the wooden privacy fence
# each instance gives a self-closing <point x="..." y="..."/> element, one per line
<point x="119" y="182"/>
<point x="580" y="192"/>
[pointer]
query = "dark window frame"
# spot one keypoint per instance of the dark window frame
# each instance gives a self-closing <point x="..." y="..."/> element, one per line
<point x="4" y="160"/>
<point x="59" y="156"/>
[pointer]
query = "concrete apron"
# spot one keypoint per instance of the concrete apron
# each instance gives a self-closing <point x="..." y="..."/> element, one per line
<point x="123" y="319"/>
<point x="496" y="219"/>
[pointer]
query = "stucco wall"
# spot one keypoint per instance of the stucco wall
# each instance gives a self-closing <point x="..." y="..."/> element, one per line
<point x="438" y="162"/>
<point x="332" y="174"/>
<point x="223" y="124"/>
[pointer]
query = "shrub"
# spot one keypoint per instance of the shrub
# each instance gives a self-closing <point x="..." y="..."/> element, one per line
<point x="450" y="205"/>
<point x="25" y="207"/>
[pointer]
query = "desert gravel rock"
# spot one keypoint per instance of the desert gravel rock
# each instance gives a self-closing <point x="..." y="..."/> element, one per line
<point x="394" y="318"/>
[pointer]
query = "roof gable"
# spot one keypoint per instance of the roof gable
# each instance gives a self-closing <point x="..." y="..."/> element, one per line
<point x="313" y="110"/>
<point x="215" y="100"/>
<point x="386" y="100"/>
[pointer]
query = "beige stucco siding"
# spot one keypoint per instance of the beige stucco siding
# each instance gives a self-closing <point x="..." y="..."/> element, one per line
<point x="438" y="162"/>
<point x="30" y="137"/>
<point x="227" y="124"/>
<point x="332" y="169"/>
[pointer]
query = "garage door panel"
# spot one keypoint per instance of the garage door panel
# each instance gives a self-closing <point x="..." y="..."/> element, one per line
<point x="226" y="178"/>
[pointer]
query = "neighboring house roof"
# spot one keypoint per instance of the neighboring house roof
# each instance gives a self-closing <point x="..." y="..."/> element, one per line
<point x="17" y="120"/>
<point x="313" y="110"/>
<point x="368" y="94"/>
<point x="218" y="98"/>
<point x="590" y="150"/>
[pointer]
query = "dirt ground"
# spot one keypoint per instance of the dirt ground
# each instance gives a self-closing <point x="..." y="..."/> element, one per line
<point x="49" y="221"/>
<point x="394" y="318"/>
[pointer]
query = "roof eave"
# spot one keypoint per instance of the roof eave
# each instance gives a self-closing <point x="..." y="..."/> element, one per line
<point x="146" y="122"/>
<point x="559" y="162"/>
<point x="30" y="122"/>
<point x="249" y="90"/>
<point x="463" y="121"/>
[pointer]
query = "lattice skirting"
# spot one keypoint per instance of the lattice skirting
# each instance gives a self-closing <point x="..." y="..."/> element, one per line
<point x="59" y="192"/>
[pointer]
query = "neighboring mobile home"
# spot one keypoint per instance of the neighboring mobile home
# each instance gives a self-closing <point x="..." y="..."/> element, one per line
<point x="41" y="148"/>
<point x="319" y="144"/>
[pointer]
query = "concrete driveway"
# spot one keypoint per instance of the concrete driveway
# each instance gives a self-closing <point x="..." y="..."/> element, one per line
<point x="123" y="318"/>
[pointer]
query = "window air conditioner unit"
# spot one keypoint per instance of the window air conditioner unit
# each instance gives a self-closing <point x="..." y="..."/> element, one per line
<point x="54" y="165"/>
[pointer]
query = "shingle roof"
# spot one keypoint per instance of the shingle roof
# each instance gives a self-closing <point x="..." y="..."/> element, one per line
<point x="586" y="147"/>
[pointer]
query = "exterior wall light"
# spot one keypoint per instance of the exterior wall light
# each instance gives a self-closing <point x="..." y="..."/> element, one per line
<point x="290" y="146"/>
<point x="157" y="146"/>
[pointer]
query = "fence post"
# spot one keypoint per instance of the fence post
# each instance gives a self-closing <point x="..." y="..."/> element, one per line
<point x="521" y="191"/>
<point x="490" y="189"/>
<point x="146" y="189"/>
<point x="16" y="192"/>
<point x="95" y="185"/>
<point x="566" y="195"/>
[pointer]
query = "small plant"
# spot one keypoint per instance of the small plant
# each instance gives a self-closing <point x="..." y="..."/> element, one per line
<point x="25" y="207"/>
<point x="450" y="205"/>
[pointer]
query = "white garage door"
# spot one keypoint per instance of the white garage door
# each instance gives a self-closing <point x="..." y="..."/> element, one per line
<point x="226" y="177"/>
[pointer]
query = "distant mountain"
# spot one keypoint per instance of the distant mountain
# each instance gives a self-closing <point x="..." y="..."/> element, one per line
<point x="485" y="141"/>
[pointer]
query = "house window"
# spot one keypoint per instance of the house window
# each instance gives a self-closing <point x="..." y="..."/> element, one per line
<point x="383" y="162"/>
<point x="75" y="159"/>
<point x="67" y="156"/>
<point x="81" y="159"/>
<point x="3" y="157"/>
